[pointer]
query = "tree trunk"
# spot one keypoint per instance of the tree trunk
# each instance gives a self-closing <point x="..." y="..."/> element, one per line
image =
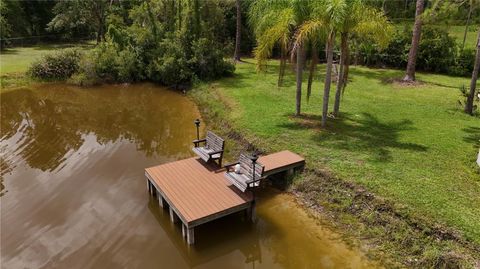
<point x="473" y="83"/>
<point x="466" y="26"/>
<point x="341" y="76"/>
<point x="346" y="68"/>
<point x="417" y="31"/>
<point x="313" y="66"/>
<point x="328" y="78"/>
<point x="236" y="55"/>
<point x="283" y="65"/>
<point x="300" y="60"/>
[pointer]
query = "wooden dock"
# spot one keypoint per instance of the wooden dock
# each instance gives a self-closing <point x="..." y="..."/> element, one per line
<point x="197" y="192"/>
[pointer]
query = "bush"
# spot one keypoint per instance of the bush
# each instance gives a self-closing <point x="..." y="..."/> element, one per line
<point x="112" y="64"/>
<point x="438" y="52"/>
<point x="57" y="66"/>
<point x="170" y="66"/>
<point x="464" y="63"/>
<point x="208" y="61"/>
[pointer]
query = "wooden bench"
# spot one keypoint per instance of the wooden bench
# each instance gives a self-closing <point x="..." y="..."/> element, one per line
<point x="247" y="178"/>
<point x="213" y="148"/>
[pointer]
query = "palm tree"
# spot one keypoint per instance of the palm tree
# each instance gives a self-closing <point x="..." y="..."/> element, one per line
<point x="236" y="55"/>
<point x="473" y="83"/>
<point x="326" y="20"/>
<point x="275" y="23"/>
<point x="417" y="31"/>
<point x="361" y="21"/>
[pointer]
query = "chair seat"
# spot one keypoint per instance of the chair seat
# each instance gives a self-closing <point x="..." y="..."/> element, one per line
<point x="240" y="181"/>
<point x="203" y="153"/>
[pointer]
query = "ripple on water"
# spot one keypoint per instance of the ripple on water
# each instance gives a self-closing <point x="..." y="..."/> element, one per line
<point x="74" y="196"/>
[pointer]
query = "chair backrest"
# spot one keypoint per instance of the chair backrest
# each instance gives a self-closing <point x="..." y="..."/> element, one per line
<point x="246" y="167"/>
<point x="214" y="142"/>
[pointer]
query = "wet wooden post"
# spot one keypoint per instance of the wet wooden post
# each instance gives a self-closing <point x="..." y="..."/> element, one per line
<point x="148" y="185"/>
<point x="160" y="199"/>
<point x="190" y="236"/>
<point x="173" y="216"/>
<point x="184" y="230"/>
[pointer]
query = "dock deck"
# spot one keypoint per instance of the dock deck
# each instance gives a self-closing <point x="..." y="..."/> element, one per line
<point x="280" y="161"/>
<point x="197" y="192"/>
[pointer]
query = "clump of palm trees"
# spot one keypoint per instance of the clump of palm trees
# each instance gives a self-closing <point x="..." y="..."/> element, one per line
<point x="295" y="26"/>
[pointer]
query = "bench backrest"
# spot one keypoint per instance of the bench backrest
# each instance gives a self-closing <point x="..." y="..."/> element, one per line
<point x="246" y="167"/>
<point x="214" y="142"/>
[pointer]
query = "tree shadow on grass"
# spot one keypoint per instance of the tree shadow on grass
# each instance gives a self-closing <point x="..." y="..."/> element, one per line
<point x="473" y="136"/>
<point x="363" y="133"/>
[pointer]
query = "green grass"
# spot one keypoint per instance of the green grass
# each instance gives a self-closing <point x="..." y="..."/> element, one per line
<point x="412" y="145"/>
<point x="14" y="62"/>
<point x="17" y="60"/>
<point x="456" y="31"/>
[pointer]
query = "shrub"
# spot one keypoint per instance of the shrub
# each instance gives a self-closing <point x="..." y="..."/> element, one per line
<point x="464" y="63"/>
<point x="56" y="66"/>
<point x="170" y="66"/>
<point x="437" y="50"/>
<point x="207" y="60"/>
<point x="113" y="64"/>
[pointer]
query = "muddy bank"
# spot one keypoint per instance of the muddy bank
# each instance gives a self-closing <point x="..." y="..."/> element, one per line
<point x="391" y="233"/>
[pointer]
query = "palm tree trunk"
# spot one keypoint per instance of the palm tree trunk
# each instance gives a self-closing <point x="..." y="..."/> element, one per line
<point x="236" y="55"/>
<point x="468" y="23"/>
<point x="313" y="66"/>
<point x="473" y="82"/>
<point x="340" y="78"/>
<point x="299" y="69"/>
<point x="346" y="68"/>
<point x="283" y="65"/>
<point x="328" y="78"/>
<point x="417" y="31"/>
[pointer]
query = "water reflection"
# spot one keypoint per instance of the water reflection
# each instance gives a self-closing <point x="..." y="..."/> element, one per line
<point x="75" y="197"/>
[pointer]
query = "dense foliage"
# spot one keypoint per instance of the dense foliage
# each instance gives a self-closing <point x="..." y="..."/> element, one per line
<point x="59" y="65"/>
<point x="438" y="52"/>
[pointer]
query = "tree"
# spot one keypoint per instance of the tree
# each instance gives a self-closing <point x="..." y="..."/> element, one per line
<point x="87" y="14"/>
<point x="417" y="31"/>
<point x="275" y="23"/>
<point x="236" y="55"/>
<point x="362" y="21"/>
<point x="473" y="82"/>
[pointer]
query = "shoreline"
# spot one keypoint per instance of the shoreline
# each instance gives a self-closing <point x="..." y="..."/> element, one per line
<point x="386" y="232"/>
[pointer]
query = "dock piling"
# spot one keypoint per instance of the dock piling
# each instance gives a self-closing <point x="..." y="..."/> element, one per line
<point x="190" y="236"/>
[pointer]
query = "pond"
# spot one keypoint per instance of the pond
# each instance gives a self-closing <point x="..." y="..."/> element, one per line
<point x="73" y="191"/>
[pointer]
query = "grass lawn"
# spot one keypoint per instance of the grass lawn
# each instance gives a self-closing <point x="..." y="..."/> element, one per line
<point x="14" y="62"/>
<point x="17" y="60"/>
<point x="412" y="145"/>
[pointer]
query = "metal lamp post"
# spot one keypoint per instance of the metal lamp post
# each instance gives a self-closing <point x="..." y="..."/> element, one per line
<point x="197" y="123"/>
<point x="254" y="159"/>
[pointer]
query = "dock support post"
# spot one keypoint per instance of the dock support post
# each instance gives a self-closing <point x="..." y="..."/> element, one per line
<point x="184" y="230"/>
<point x="290" y="172"/>
<point x="160" y="199"/>
<point x="173" y="216"/>
<point x="190" y="236"/>
<point x="148" y="185"/>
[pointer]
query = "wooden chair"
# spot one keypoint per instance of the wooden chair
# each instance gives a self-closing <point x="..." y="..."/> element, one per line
<point x="247" y="178"/>
<point x="213" y="148"/>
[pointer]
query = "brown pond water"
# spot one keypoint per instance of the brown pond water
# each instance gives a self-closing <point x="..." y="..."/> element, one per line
<point x="74" y="194"/>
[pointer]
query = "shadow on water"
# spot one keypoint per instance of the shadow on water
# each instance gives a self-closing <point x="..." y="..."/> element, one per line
<point x="363" y="133"/>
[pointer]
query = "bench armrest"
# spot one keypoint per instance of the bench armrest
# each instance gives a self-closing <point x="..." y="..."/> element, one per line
<point x="196" y="142"/>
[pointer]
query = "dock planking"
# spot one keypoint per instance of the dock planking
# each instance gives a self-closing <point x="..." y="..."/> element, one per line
<point x="196" y="192"/>
<point x="280" y="161"/>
